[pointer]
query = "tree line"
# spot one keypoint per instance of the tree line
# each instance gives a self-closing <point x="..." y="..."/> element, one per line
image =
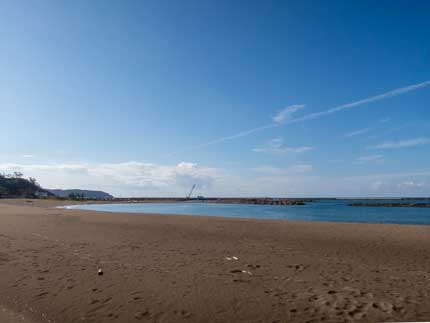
<point x="15" y="185"/>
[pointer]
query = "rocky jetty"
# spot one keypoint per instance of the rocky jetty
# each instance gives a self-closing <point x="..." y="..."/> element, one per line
<point x="231" y="200"/>
<point x="259" y="201"/>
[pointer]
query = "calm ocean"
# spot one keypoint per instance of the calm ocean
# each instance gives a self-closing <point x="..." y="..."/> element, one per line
<point x="324" y="210"/>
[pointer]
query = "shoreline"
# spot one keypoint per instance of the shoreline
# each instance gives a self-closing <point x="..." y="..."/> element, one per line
<point x="174" y="268"/>
<point x="94" y="207"/>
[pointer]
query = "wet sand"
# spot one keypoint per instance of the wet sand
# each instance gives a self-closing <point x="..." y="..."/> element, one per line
<point x="160" y="268"/>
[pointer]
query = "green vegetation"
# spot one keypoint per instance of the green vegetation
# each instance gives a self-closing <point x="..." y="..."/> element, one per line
<point x="14" y="185"/>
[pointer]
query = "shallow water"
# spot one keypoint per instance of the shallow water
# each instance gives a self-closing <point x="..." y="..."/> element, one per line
<point x="324" y="210"/>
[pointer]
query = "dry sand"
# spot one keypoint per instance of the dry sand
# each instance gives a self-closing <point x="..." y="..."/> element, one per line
<point x="160" y="268"/>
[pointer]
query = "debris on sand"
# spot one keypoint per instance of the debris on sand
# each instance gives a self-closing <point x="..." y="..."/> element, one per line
<point x="232" y="258"/>
<point x="100" y="272"/>
<point x="235" y="271"/>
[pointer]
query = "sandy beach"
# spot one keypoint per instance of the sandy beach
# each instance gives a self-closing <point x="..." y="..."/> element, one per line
<point x="160" y="268"/>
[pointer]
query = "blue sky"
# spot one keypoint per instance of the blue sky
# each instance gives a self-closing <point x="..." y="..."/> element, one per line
<point x="148" y="97"/>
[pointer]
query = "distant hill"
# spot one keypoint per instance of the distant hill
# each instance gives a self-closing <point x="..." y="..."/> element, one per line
<point x="15" y="186"/>
<point x="87" y="194"/>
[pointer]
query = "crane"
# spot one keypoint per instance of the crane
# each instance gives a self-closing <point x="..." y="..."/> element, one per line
<point x="191" y="191"/>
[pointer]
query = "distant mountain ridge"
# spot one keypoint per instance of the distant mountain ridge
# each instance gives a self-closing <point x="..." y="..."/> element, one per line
<point x="89" y="194"/>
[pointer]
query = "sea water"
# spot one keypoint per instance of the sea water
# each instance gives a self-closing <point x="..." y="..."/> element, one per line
<point x="320" y="210"/>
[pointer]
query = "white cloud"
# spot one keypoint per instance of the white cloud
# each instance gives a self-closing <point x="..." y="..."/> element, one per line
<point x="148" y="179"/>
<point x="385" y="120"/>
<point x="276" y="146"/>
<point x="121" y="178"/>
<point x="370" y="158"/>
<point x="376" y="185"/>
<point x="301" y="168"/>
<point x="283" y="183"/>
<point x="293" y="169"/>
<point x="403" y="143"/>
<point x="358" y="132"/>
<point x="287" y="113"/>
<point x="411" y="184"/>
<point x="28" y="156"/>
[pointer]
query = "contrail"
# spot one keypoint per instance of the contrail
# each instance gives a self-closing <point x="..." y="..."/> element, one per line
<point x="351" y="105"/>
<point x="316" y="115"/>
<point x="238" y="135"/>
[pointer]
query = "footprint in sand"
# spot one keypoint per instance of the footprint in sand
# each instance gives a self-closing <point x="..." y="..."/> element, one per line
<point x="183" y="313"/>
<point x="351" y="303"/>
<point x="298" y="268"/>
<point x="141" y="314"/>
<point x="4" y="258"/>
